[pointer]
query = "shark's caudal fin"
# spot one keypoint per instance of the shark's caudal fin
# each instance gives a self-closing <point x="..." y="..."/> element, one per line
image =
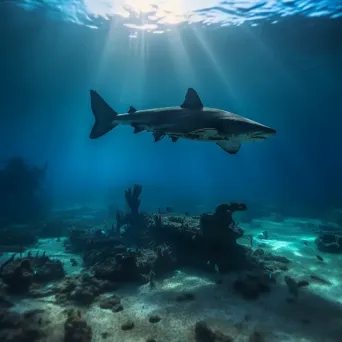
<point x="104" y="116"/>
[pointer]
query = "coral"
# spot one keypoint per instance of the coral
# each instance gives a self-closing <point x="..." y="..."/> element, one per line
<point x="82" y="240"/>
<point x="329" y="242"/>
<point x="196" y="240"/>
<point x="165" y="259"/>
<point x="26" y="327"/>
<point x="119" y="264"/>
<point x="127" y="266"/>
<point x="267" y="261"/>
<point x="82" y="289"/>
<point x="133" y="198"/>
<point x="76" y="328"/>
<point x="220" y="226"/>
<point x="19" y="274"/>
<point x="120" y="221"/>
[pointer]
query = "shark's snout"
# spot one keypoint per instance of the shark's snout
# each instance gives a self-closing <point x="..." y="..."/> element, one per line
<point x="263" y="133"/>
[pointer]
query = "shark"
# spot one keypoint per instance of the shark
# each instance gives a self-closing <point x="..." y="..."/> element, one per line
<point x="191" y="120"/>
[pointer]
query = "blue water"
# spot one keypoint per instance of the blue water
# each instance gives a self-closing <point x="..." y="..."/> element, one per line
<point x="276" y="62"/>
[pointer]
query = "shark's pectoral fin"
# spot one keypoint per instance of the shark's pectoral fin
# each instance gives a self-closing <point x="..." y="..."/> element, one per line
<point x="232" y="147"/>
<point x="174" y="139"/>
<point x="137" y="129"/>
<point x="192" y="100"/>
<point x="131" y="110"/>
<point x="158" y="135"/>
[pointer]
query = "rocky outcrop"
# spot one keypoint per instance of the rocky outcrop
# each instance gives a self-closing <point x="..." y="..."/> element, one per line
<point x="82" y="289"/>
<point x="329" y="242"/>
<point x="76" y="328"/>
<point x="19" y="274"/>
<point x="28" y="326"/>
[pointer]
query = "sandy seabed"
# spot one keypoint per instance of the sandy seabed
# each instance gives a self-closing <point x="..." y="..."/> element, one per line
<point x="315" y="316"/>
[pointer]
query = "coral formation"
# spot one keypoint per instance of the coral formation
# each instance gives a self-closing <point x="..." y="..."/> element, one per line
<point x="26" y="327"/>
<point x="19" y="274"/>
<point x="133" y="199"/>
<point x="329" y="242"/>
<point x="166" y="242"/>
<point x="82" y="289"/>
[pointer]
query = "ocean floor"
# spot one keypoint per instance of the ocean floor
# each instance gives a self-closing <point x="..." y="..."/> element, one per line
<point x="316" y="315"/>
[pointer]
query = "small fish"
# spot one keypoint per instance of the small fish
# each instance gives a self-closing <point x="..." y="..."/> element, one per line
<point x="217" y="268"/>
<point x="305" y="242"/>
<point x="319" y="258"/>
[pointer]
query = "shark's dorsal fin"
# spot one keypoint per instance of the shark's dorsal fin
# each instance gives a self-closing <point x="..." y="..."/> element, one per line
<point x="192" y="100"/>
<point x="131" y="110"/>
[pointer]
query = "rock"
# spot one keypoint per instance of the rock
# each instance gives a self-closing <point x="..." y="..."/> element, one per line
<point x="291" y="285"/>
<point x="247" y="289"/>
<point x="154" y="319"/>
<point x="277" y="258"/>
<point x="73" y="261"/>
<point x="259" y="252"/>
<point x="5" y="303"/>
<point x="21" y="327"/>
<point x="126" y="266"/>
<point x="329" y="242"/>
<point x="83" y="296"/>
<point x="320" y="280"/>
<point x="187" y="296"/>
<point x="76" y="328"/>
<point x="303" y="283"/>
<point x="20" y="274"/>
<point x="113" y="303"/>
<point x="129" y="325"/>
<point x="204" y="334"/>
<point x="105" y="334"/>
<point x="256" y="337"/>
<point x="252" y="285"/>
<point x="82" y="289"/>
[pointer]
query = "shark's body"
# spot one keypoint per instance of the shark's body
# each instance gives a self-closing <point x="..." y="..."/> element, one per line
<point x="190" y="121"/>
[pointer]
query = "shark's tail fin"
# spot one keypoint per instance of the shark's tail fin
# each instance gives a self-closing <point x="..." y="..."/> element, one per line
<point x="104" y="116"/>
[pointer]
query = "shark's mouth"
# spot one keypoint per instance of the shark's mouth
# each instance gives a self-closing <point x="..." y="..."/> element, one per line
<point x="258" y="136"/>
